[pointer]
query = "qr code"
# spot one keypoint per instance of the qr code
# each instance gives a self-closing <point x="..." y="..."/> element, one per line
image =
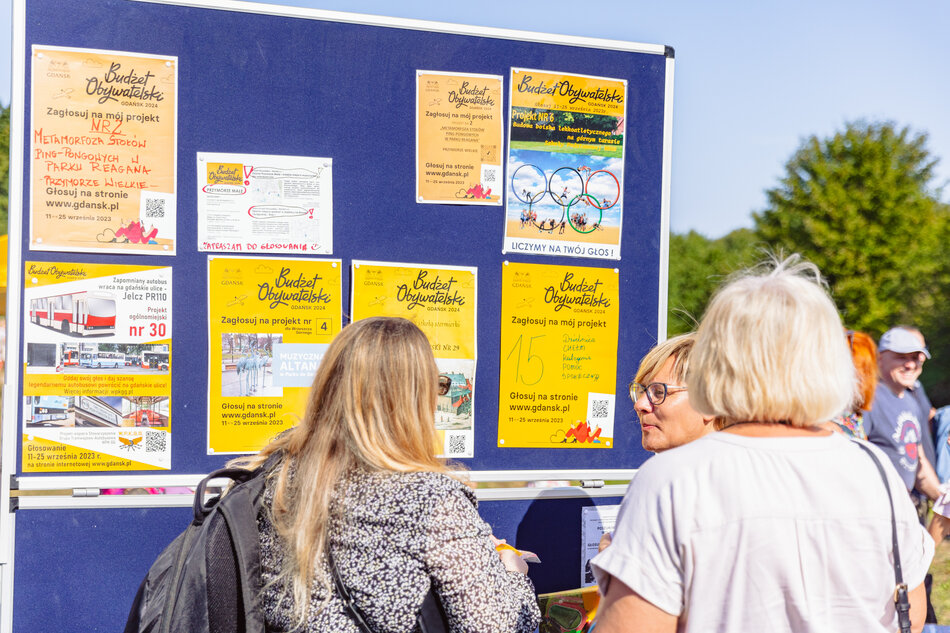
<point x="155" y="208"/>
<point x="599" y="408"/>
<point x="456" y="444"/>
<point x="156" y="441"/>
<point x="489" y="176"/>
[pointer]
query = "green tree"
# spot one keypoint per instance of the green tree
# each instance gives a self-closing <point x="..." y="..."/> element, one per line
<point x="4" y="166"/>
<point x="698" y="266"/>
<point x="862" y="206"/>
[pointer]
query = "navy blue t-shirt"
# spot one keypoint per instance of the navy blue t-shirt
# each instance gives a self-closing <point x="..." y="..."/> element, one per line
<point x="893" y="424"/>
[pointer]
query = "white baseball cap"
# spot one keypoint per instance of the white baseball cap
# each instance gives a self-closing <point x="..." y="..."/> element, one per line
<point x="901" y="341"/>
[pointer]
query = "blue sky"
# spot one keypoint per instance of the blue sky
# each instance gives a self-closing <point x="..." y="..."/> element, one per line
<point x="752" y="78"/>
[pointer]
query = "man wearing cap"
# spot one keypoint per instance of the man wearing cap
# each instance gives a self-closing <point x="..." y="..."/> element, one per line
<point x="896" y="421"/>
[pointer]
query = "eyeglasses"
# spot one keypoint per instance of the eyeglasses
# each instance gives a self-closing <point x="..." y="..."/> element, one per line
<point x="656" y="392"/>
<point x="445" y="383"/>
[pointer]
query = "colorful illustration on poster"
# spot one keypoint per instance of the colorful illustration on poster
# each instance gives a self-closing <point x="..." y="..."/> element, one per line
<point x="271" y="320"/>
<point x="97" y="362"/>
<point x="80" y="358"/>
<point x="565" y="165"/>
<point x="103" y="151"/>
<point x="247" y="365"/>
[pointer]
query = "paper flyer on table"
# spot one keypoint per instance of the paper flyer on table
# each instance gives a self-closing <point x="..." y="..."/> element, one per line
<point x="595" y="522"/>
<point x="252" y="203"/>
<point x="270" y="322"/>
<point x="97" y="370"/>
<point x="103" y="142"/>
<point x="566" y="140"/>
<point x="442" y="301"/>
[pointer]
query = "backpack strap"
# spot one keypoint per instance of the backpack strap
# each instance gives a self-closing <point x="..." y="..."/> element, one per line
<point x="233" y="558"/>
<point x="901" y="599"/>
<point x="239" y="510"/>
<point x="431" y="617"/>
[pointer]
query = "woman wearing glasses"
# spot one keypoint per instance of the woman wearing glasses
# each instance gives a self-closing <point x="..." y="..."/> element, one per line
<point x="358" y="480"/>
<point x="660" y="397"/>
<point x="773" y="523"/>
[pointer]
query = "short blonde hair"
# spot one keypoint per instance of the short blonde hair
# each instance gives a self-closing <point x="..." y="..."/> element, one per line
<point x="770" y="349"/>
<point x="677" y="348"/>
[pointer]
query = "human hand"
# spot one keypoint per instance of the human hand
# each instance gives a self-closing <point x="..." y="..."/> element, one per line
<point x="512" y="561"/>
<point x="605" y="541"/>
<point x="510" y="557"/>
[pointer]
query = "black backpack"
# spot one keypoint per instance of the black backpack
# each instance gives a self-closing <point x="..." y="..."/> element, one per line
<point x="209" y="579"/>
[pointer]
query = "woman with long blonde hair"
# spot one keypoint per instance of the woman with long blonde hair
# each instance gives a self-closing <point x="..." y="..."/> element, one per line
<point x="359" y="479"/>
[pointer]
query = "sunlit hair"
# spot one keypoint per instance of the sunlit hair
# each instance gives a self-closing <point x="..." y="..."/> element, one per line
<point x="864" y="356"/>
<point x="677" y="348"/>
<point x="770" y="349"/>
<point x="372" y="406"/>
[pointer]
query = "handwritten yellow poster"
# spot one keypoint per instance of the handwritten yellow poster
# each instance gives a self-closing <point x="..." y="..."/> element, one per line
<point x="97" y="370"/>
<point x="565" y="164"/>
<point x="102" y="151"/>
<point x="442" y="301"/>
<point x="458" y="138"/>
<point x="558" y="374"/>
<point x="271" y="321"/>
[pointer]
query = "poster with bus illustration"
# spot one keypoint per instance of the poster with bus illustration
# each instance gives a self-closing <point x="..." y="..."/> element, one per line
<point x="97" y="367"/>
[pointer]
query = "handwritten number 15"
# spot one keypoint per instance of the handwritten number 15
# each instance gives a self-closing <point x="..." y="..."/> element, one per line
<point x="528" y="361"/>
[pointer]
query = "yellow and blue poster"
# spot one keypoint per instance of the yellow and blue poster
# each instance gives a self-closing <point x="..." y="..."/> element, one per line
<point x="558" y="374"/>
<point x="271" y="321"/>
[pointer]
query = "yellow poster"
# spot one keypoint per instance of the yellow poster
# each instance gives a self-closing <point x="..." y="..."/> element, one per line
<point x="97" y="370"/>
<point x="558" y="356"/>
<point x="271" y="321"/>
<point x="102" y="151"/>
<point x="458" y="138"/>
<point x="442" y="301"/>
<point x="565" y="164"/>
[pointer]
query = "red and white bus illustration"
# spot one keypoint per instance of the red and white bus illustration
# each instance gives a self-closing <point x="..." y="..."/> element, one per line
<point x="77" y="313"/>
<point x="70" y="357"/>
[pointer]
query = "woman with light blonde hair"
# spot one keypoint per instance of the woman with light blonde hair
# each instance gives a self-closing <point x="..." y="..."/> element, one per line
<point x="358" y="479"/>
<point x="659" y="395"/>
<point x="774" y="523"/>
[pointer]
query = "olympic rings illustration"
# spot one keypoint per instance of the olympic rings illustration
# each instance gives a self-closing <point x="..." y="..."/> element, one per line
<point x="574" y="188"/>
<point x="569" y="178"/>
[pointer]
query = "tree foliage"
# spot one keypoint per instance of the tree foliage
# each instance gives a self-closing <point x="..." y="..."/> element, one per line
<point x="862" y="206"/>
<point x="698" y="266"/>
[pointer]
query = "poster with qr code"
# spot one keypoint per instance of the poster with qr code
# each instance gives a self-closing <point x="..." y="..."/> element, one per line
<point x="270" y="323"/>
<point x="103" y="151"/>
<point x="558" y="374"/>
<point x="97" y="370"/>
<point x="254" y="203"/>
<point x="565" y="165"/>
<point x="458" y="138"/>
<point x="442" y="301"/>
